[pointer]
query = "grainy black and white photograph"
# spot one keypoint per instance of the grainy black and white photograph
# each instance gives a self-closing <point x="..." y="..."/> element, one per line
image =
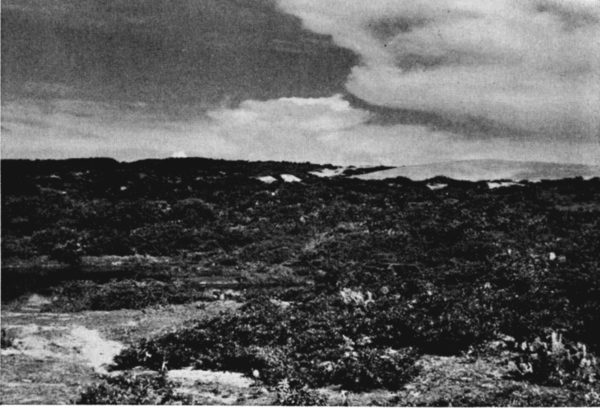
<point x="300" y="202"/>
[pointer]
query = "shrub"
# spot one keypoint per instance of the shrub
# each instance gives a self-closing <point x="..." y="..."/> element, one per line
<point x="122" y="215"/>
<point x="449" y="322"/>
<point x="555" y="362"/>
<point x="371" y="368"/>
<point x="217" y="343"/>
<point x="124" y="294"/>
<point x="297" y="396"/>
<point x="293" y="342"/>
<point x="47" y="240"/>
<point x="269" y="364"/>
<point x="68" y="253"/>
<point x="192" y="211"/>
<point x="446" y="270"/>
<point x="513" y="395"/>
<point x="132" y="390"/>
<point x="166" y="238"/>
<point x="7" y="339"/>
<point x="16" y="247"/>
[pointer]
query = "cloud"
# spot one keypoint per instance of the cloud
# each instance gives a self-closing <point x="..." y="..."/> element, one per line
<point x="321" y="130"/>
<point x="75" y="128"/>
<point x="164" y="53"/>
<point x="331" y="130"/>
<point x="435" y="80"/>
<point x="529" y="64"/>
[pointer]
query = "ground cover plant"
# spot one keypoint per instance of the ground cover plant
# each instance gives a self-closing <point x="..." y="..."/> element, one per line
<point x="555" y="362"/>
<point x="125" y="294"/>
<point x="132" y="390"/>
<point x="293" y="343"/>
<point x="345" y="282"/>
<point x="289" y="396"/>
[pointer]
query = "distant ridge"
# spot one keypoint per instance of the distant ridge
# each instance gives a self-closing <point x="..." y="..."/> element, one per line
<point x="475" y="170"/>
<point x="465" y="170"/>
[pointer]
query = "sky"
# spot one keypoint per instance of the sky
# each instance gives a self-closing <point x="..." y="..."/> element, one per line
<point x="338" y="81"/>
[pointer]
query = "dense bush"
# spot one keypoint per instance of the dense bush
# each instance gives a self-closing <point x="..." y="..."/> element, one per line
<point x="166" y="239"/>
<point x="68" y="253"/>
<point x="124" y="294"/>
<point x="7" y="339"/>
<point x="278" y="343"/>
<point x="386" y="264"/>
<point x="370" y="368"/>
<point x="47" y="240"/>
<point x="132" y="390"/>
<point x="193" y="211"/>
<point x="555" y="362"/>
<point x="20" y="248"/>
<point x="290" y="396"/>
<point x="510" y="396"/>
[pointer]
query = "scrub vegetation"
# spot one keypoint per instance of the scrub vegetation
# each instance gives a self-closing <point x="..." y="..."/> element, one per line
<point x="345" y="283"/>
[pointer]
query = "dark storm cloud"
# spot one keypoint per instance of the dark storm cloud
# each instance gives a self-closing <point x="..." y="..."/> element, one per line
<point x="467" y="126"/>
<point x="201" y="53"/>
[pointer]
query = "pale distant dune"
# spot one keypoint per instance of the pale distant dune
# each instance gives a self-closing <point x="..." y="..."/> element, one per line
<point x="474" y="170"/>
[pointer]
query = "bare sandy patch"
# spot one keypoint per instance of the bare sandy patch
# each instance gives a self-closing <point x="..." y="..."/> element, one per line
<point x="190" y="375"/>
<point x="67" y="342"/>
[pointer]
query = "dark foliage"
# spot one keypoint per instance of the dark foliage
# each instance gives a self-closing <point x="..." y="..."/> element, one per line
<point x="279" y="343"/>
<point x="554" y="362"/>
<point x="368" y="266"/>
<point x="132" y="390"/>
<point x="290" y="396"/>
<point x="68" y="253"/>
<point x="7" y="339"/>
<point x="124" y="294"/>
<point x="512" y="396"/>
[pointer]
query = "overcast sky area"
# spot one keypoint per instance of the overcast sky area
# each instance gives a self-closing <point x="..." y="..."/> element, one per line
<point x="331" y="81"/>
